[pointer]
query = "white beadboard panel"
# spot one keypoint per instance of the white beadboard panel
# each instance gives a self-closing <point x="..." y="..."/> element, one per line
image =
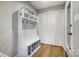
<point x="47" y="37"/>
<point x="51" y="27"/>
<point x="60" y="19"/>
<point x="47" y="22"/>
<point x="59" y="38"/>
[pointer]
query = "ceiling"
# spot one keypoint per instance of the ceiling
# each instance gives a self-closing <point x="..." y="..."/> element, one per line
<point x="45" y="4"/>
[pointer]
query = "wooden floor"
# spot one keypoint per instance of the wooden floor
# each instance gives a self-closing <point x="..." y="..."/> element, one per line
<point x="50" y="51"/>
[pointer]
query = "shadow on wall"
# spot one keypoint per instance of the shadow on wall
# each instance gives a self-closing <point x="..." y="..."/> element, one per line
<point x="14" y="34"/>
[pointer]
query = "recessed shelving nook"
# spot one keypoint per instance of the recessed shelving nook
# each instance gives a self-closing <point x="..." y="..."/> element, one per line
<point x="28" y="39"/>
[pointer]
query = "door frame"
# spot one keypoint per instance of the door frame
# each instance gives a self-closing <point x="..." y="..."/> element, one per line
<point x="69" y="52"/>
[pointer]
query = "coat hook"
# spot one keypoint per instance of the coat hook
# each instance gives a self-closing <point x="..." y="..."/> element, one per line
<point x="27" y="22"/>
<point x="30" y="22"/>
<point x="22" y="21"/>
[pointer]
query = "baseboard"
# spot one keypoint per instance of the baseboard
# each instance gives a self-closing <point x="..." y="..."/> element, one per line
<point x="52" y="45"/>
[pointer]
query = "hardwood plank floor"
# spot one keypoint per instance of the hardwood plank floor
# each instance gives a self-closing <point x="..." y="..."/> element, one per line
<point x="50" y="51"/>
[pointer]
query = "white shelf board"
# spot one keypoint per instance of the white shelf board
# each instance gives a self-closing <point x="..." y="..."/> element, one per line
<point x="31" y="15"/>
<point x="30" y="42"/>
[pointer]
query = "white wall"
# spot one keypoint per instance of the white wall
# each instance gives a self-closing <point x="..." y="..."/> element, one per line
<point x="51" y="27"/>
<point x="46" y="27"/>
<point x="6" y="11"/>
<point x="76" y="28"/>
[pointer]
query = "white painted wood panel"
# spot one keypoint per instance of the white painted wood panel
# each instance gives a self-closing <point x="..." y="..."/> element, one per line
<point x="46" y="28"/>
<point x="59" y="36"/>
<point x="51" y="28"/>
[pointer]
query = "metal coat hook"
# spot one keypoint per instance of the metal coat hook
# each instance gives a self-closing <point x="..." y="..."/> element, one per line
<point x="22" y="21"/>
<point x="27" y="22"/>
<point x="30" y="22"/>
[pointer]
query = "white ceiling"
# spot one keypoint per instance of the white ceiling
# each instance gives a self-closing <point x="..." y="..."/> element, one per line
<point x="45" y="4"/>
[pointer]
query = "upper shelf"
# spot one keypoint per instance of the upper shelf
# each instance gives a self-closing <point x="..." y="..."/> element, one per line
<point x="28" y="15"/>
